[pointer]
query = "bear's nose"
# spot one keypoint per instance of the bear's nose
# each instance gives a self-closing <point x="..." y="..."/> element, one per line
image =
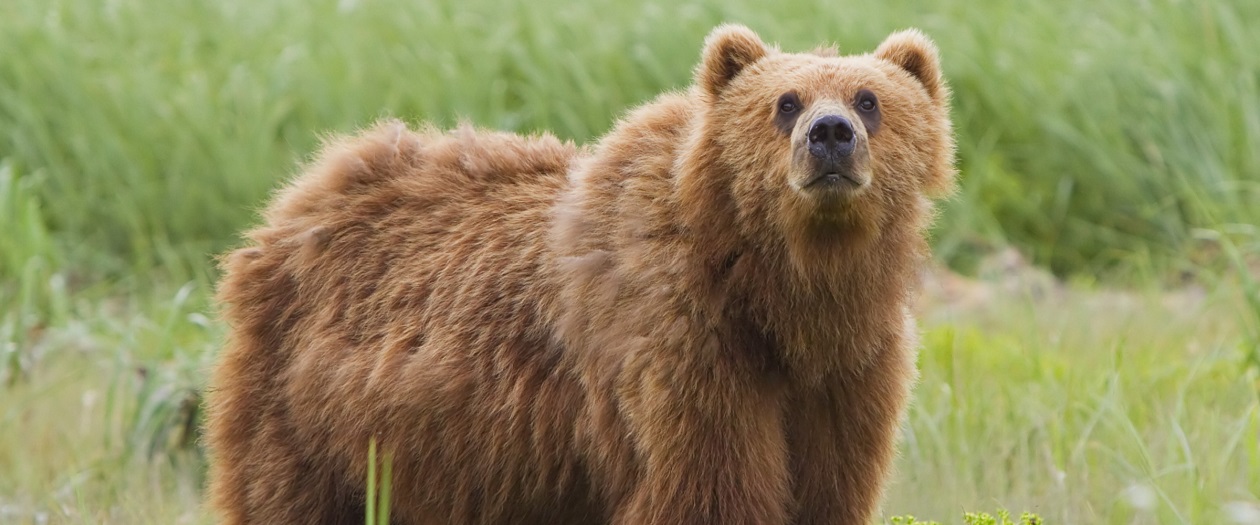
<point x="831" y="136"/>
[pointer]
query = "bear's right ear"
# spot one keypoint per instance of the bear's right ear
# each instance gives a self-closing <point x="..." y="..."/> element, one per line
<point x="728" y="49"/>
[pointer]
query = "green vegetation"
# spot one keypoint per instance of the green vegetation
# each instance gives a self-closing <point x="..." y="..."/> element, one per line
<point x="378" y="487"/>
<point x="1117" y="144"/>
<point x="976" y="518"/>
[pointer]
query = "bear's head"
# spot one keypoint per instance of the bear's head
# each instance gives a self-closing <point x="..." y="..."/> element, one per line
<point x="818" y="148"/>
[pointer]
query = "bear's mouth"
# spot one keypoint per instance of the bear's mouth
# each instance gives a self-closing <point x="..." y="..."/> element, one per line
<point x="835" y="180"/>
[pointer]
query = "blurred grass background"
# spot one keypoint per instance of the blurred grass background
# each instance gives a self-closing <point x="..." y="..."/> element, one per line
<point x="1113" y="143"/>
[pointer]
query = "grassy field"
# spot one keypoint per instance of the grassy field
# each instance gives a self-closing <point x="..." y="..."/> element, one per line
<point x="1115" y="144"/>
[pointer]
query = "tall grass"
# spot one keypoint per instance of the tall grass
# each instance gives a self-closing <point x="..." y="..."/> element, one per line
<point x="32" y="291"/>
<point x="1236" y="241"/>
<point x="1097" y="408"/>
<point x="100" y="427"/>
<point x="1091" y="133"/>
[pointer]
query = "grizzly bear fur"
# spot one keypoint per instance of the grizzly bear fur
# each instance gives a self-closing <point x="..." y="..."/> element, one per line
<point x="694" y="321"/>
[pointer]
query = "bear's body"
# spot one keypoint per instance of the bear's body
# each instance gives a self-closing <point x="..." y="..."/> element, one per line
<point x="701" y="320"/>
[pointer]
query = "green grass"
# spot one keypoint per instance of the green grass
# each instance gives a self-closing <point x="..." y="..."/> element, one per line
<point x="379" y="486"/>
<point x="976" y="518"/>
<point x="96" y="428"/>
<point x="1093" y="134"/>
<point x="1114" y="143"/>
<point x="1097" y="407"/>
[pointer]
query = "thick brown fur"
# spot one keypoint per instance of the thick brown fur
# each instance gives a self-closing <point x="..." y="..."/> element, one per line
<point x="666" y="328"/>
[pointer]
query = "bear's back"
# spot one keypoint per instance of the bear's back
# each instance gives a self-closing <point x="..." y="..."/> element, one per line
<point x="384" y="223"/>
<point x="398" y="257"/>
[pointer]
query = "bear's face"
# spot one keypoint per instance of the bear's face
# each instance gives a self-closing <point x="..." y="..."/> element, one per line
<point x="828" y="143"/>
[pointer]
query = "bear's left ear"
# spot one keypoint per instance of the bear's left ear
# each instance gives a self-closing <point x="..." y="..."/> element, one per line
<point x="728" y="49"/>
<point x="914" y="52"/>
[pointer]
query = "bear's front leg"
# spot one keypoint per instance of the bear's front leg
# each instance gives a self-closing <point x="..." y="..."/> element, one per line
<point x="843" y="438"/>
<point x="709" y="443"/>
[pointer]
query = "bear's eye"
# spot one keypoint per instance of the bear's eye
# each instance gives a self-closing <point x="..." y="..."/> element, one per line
<point x="866" y="101"/>
<point x="789" y="104"/>
<point x="788" y="110"/>
<point x="868" y="109"/>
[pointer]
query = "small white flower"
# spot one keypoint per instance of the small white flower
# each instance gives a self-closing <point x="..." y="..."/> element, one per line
<point x="1141" y="497"/>
<point x="1243" y="513"/>
<point x="89" y="400"/>
<point x="1059" y="476"/>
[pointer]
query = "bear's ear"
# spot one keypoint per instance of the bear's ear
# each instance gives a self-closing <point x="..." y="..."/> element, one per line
<point x="727" y="51"/>
<point x="914" y="52"/>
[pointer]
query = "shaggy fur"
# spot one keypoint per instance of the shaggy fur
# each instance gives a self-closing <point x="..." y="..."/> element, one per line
<point x="671" y="327"/>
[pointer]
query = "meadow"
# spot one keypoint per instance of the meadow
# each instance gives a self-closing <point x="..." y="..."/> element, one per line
<point x="1108" y="374"/>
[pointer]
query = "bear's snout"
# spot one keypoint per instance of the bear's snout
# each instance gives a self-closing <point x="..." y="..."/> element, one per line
<point x="833" y="155"/>
<point x="831" y="137"/>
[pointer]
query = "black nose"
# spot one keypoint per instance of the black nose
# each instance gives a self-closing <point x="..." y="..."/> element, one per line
<point x="831" y="136"/>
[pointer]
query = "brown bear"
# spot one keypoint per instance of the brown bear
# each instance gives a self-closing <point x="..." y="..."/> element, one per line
<point x="700" y="319"/>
